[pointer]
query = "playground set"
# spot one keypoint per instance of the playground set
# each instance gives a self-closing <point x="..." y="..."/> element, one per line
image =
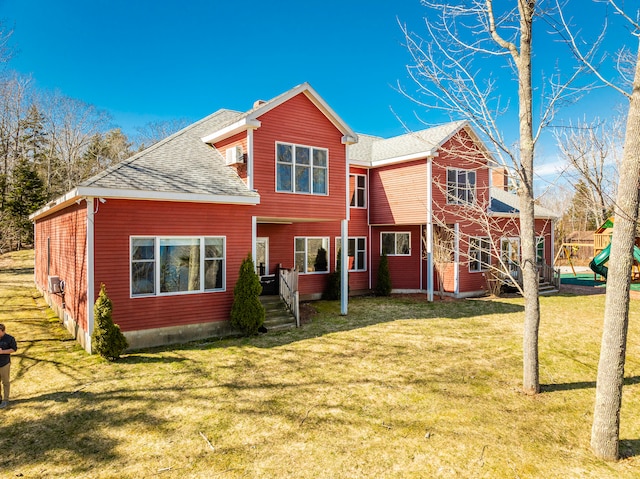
<point x="601" y="252"/>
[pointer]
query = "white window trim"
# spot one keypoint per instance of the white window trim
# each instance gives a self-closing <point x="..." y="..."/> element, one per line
<point x="540" y="240"/>
<point x="483" y="267"/>
<point x="156" y="261"/>
<point x="306" y="253"/>
<point x="355" y="238"/>
<point x="454" y="199"/>
<point x="395" y="242"/>
<point x="355" y="191"/>
<point x="293" y="165"/>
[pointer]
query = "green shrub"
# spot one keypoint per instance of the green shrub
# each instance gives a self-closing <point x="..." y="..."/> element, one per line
<point x="383" y="286"/>
<point x="106" y="340"/>
<point x="334" y="281"/>
<point x="247" y="312"/>
<point x="321" y="260"/>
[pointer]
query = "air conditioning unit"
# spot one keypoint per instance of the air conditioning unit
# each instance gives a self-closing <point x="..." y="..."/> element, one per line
<point x="54" y="285"/>
<point x="235" y="155"/>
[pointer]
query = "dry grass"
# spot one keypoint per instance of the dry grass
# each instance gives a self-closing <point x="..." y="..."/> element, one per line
<point x="397" y="389"/>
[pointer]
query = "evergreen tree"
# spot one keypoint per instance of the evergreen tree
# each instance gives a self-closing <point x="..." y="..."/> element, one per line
<point x="247" y="312"/>
<point x="383" y="286"/>
<point x="321" y="260"/>
<point x="26" y="195"/>
<point x="334" y="282"/>
<point x="107" y="339"/>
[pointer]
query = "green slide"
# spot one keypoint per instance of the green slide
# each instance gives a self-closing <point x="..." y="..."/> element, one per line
<point x="597" y="263"/>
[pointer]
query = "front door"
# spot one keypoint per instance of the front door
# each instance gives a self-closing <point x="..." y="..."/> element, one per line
<point x="262" y="256"/>
<point x="510" y="254"/>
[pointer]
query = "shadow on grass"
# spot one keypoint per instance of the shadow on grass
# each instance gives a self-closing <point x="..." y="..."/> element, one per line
<point x="363" y="312"/>
<point x="551" y="388"/>
<point x="629" y="448"/>
<point x="74" y="434"/>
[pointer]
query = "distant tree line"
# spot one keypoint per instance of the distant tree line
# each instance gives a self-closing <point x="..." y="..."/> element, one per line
<point x="49" y="143"/>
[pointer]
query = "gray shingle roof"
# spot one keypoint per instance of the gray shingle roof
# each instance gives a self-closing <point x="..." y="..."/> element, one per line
<point x="503" y="202"/>
<point x="181" y="163"/>
<point x="372" y="148"/>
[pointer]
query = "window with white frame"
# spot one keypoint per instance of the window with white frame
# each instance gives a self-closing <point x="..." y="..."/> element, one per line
<point x="312" y="254"/>
<point x="356" y="252"/>
<point x="540" y="250"/>
<point x="301" y="169"/>
<point x="358" y="191"/>
<point x="461" y="186"/>
<point x="395" y="244"/>
<point x="171" y="265"/>
<point x="479" y="254"/>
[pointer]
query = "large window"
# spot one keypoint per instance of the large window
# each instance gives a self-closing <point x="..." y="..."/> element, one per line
<point x="356" y="251"/>
<point x="461" y="186"/>
<point x="358" y="191"/>
<point x="301" y="169"/>
<point x="396" y="244"/>
<point x="479" y="254"/>
<point x="176" y="265"/>
<point x="312" y="255"/>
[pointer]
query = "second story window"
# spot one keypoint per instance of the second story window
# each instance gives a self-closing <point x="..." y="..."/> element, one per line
<point x="301" y="169"/>
<point x="461" y="186"/>
<point x="358" y="191"/>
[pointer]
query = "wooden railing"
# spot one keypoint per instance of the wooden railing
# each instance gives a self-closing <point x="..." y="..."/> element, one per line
<point x="550" y="274"/>
<point x="547" y="273"/>
<point x="289" y="292"/>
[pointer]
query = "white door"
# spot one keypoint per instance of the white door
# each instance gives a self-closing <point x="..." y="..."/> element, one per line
<point x="510" y="253"/>
<point x="262" y="256"/>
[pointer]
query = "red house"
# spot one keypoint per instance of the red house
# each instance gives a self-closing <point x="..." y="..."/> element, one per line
<point x="288" y="181"/>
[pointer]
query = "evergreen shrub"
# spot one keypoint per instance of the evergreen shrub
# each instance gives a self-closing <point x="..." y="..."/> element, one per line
<point x="106" y="340"/>
<point x="247" y="312"/>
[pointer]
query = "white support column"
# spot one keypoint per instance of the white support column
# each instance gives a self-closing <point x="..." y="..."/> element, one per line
<point x="90" y="271"/>
<point x="344" y="268"/>
<point x="456" y="259"/>
<point x="429" y="233"/>
<point x="254" y="236"/>
<point x="250" y="161"/>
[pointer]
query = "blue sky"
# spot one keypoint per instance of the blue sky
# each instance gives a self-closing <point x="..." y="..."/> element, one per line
<point x="160" y="60"/>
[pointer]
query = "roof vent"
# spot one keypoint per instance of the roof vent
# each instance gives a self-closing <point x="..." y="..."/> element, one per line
<point x="258" y="103"/>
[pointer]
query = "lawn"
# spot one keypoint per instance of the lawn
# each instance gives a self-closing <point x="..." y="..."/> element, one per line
<point x="399" y="388"/>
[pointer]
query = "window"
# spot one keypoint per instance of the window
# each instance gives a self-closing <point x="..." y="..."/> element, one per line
<point x="311" y="255"/>
<point x="357" y="252"/>
<point x="461" y="185"/>
<point x="540" y="250"/>
<point x="358" y="191"/>
<point x="301" y="169"/>
<point x="396" y="244"/>
<point x="176" y="265"/>
<point x="479" y="254"/>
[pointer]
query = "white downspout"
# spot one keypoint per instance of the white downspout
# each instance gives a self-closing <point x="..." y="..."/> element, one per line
<point x="344" y="266"/>
<point x="429" y="233"/>
<point x="90" y="272"/>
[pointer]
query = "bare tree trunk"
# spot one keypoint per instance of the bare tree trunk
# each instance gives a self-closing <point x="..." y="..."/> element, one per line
<point x="606" y="418"/>
<point x="531" y="383"/>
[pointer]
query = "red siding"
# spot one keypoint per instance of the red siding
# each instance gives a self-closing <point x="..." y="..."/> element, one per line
<point x="405" y="271"/>
<point x="118" y="220"/>
<point x="398" y="193"/>
<point x="67" y="257"/>
<point x="298" y="121"/>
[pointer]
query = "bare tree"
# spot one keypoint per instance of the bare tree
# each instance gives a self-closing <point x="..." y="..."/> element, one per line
<point x="590" y="151"/>
<point x="155" y="131"/>
<point x="450" y="79"/>
<point x="71" y="125"/>
<point x="605" y="432"/>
